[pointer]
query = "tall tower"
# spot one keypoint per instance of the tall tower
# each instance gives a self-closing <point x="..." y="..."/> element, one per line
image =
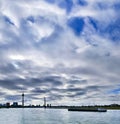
<point x="23" y="99"/>
<point x="44" y="102"/>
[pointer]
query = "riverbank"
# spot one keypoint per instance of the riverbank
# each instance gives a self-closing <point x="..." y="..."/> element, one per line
<point x="108" y="107"/>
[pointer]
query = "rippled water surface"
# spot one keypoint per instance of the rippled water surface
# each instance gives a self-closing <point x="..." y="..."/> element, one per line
<point x="57" y="116"/>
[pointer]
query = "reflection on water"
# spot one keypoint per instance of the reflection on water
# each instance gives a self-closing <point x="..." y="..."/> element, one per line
<point x="56" y="116"/>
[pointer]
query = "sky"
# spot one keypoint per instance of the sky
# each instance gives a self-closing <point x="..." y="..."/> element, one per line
<point x="65" y="50"/>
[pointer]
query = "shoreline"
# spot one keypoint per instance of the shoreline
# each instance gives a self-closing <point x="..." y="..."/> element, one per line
<point x="66" y="107"/>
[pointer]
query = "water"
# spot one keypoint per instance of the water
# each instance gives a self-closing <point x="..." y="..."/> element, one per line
<point x="56" y="116"/>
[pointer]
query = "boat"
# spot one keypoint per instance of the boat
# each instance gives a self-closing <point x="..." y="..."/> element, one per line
<point x="102" y="110"/>
<point x="88" y="109"/>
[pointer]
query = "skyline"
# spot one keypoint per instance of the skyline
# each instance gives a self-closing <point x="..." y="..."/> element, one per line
<point x="65" y="50"/>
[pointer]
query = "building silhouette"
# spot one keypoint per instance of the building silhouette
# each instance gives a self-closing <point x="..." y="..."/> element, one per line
<point x="7" y="104"/>
<point x="23" y="99"/>
<point x="15" y="104"/>
<point x="44" y="102"/>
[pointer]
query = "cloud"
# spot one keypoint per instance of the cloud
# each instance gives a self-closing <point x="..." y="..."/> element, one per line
<point x="63" y="50"/>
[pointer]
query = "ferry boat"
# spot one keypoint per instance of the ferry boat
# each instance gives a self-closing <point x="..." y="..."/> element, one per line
<point x="88" y="109"/>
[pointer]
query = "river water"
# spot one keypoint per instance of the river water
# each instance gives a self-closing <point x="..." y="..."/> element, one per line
<point x="57" y="116"/>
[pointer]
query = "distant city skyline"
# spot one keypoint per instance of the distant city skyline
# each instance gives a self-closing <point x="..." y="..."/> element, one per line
<point x="65" y="50"/>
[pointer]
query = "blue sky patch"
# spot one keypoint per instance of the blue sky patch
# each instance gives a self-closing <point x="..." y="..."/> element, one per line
<point x="77" y="25"/>
<point x="113" y="30"/>
<point x="82" y="2"/>
<point x="67" y="4"/>
<point x="116" y="91"/>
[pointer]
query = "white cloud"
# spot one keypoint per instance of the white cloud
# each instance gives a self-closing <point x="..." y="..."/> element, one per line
<point x="18" y="10"/>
